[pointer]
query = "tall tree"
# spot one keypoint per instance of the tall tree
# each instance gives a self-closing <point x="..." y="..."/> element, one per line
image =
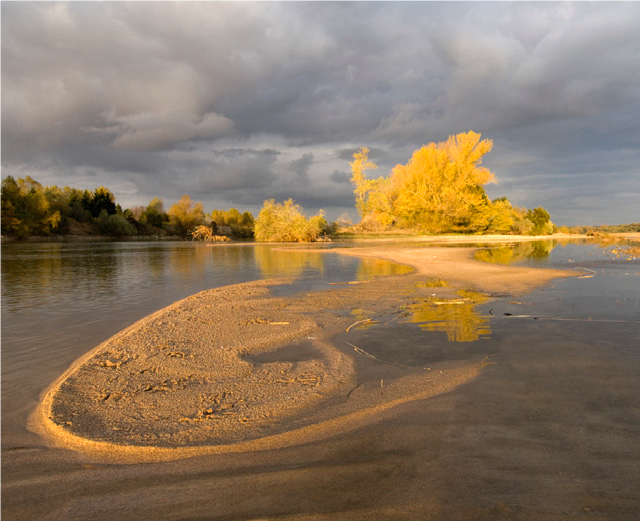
<point x="25" y="208"/>
<point x="440" y="188"/>
<point x="184" y="216"/>
<point x="102" y="199"/>
<point x="362" y="185"/>
<point x="154" y="214"/>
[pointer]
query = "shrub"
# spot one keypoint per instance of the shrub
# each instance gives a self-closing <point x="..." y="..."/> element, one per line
<point x="116" y="224"/>
<point x="285" y="222"/>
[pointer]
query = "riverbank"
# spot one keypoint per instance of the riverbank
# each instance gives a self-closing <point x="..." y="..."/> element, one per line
<point x="207" y="374"/>
<point x="451" y="238"/>
<point x="90" y="238"/>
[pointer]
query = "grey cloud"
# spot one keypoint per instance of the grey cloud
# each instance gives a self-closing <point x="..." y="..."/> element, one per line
<point x="301" y="166"/>
<point x="158" y="131"/>
<point x="227" y="170"/>
<point x="182" y="96"/>
<point x="340" y="177"/>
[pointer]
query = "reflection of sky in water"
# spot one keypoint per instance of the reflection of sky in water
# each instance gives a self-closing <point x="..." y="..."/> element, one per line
<point x="608" y="286"/>
<point x="60" y="300"/>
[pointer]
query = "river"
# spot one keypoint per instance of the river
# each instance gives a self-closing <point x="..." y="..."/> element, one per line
<point x="552" y="423"/>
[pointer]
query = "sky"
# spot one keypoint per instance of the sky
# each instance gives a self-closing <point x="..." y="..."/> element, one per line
<point x="233" y="103"/>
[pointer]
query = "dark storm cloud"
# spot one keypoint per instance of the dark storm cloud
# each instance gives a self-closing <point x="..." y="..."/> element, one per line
<point x="340" y="177"/>
<point x="301" y="166"/>
<point x="238" y="102"/>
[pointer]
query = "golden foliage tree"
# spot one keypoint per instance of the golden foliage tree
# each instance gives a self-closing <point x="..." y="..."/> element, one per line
<point x="285" y="222"/>
<point x="362" y="185"/>
<point x="184" y="216"/>
<point x="440" y="188"/>
<point x="26" y="209"/>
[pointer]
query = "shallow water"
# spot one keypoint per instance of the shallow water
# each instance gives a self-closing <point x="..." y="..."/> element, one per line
<point x="549" y="430"/>
<point x="59" y="300"/>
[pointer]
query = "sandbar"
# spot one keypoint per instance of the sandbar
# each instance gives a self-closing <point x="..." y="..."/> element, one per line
<point x="237" y="368"/>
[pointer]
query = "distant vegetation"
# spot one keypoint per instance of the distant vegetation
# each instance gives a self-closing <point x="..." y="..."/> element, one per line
<point x="440" y="190"/>
<point x="31" y="209"/>
<point x="607" y="228"/>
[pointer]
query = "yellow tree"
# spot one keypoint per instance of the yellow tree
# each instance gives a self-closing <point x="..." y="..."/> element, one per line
<point x="184" y="216"/>
<point x="362" y="185"/>
<point x="440" y="188"/>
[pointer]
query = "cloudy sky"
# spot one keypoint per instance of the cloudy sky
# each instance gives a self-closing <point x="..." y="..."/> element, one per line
<point x="233" y="103"/>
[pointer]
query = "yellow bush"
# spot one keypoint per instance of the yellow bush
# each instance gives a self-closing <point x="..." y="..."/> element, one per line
<point x="285" y="222"/>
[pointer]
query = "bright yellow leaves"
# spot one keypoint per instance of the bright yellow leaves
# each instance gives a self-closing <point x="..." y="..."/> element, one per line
<point x="184" y="216"/>
<point x="286" y="222"/>
<point x="362" y="185"/>
<point x="438" y="190"/>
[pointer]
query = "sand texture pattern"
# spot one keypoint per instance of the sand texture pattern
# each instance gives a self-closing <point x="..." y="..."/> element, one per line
<point x="236" y="368"/>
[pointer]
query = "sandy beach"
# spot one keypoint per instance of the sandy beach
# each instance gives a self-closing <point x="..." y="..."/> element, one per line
<point x="207" y="374"/>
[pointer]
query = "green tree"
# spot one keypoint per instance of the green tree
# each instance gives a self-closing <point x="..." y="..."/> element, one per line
<point x="154" y="214"/>
<point x="25" y="208"/>
<point x="80" y="202"/>
<point x="241" y="224"/>
<point x="116" y="224"/>
<point x="541" y="221"/>
<point x="102" y="199"/>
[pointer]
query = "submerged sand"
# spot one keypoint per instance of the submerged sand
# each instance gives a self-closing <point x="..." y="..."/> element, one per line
<point x="237" y="368"/>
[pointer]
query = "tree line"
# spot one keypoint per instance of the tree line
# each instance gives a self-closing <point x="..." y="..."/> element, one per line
<point x="439" y="190"/>
<point x="31" y="209"/>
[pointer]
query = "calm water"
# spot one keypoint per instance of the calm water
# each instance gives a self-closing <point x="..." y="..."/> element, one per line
<point x="550" y="428"/>
<point x="600" y="307"/>
<point x="60" y="300"/>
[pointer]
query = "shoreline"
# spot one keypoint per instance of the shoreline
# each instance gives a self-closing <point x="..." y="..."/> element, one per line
<point x="124" y="401"/>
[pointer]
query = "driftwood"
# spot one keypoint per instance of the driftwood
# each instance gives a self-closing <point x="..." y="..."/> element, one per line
<point x="206" y="234"/>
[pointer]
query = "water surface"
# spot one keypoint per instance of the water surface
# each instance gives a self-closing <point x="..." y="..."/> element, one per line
<point x="548" y="430"/>
<point x="59" y="300"/>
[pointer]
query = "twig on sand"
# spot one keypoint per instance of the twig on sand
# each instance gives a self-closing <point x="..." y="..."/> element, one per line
<point x="369" y="355"/>
<point x="509" y="315"/>
<point x="350" y="282"/>
<point x="365" y="321"/>
<point x="587" y="276"/>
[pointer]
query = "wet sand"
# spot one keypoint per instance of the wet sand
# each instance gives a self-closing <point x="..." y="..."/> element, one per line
<point x="181" y="382"/>
<point x="522" y="438"/>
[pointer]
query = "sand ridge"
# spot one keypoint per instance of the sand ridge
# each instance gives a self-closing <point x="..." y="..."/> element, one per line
<point x="189" y="379"/>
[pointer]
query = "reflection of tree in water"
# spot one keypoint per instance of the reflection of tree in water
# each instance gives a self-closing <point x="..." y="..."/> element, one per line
<point x="371" y="268"/>
<point x="52" y="267"/>
<point x="618" y="246"/>
<point x="275" y="263"/>
<point x="534" y="250"/>
<point x="198" y="259"/>
<point x="455" y="317"/>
